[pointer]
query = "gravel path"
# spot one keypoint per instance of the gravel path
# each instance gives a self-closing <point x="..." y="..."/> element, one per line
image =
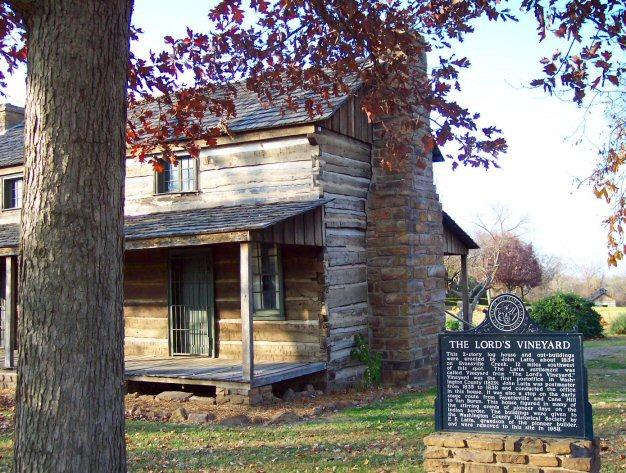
<point x="595" y="353"/>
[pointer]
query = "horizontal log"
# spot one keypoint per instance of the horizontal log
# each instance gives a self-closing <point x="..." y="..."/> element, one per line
<point x="340" y="201"/>
<point x="349" y="373"/>
<point x="341" y="257"/>
<point x="145" y="346"/>
<point x="146" y="308"/>
<point x="340" y="145"/>
<point x="278" y="151"/>
<point x="350" y="238"/>
<point x="342" y="357"/>
<point x="145" y="290"/>
<point x="346" y="295"/>
<point x="262" y="175"/>
<point x="348" y="316"/>
<point x="278" y="331"/>
<point x="274" y="351"/>
<point x="152" y="323"/>
<point x="346" y="275"/>
<point x="259" y="194"/>
<point x="344" y="165"/>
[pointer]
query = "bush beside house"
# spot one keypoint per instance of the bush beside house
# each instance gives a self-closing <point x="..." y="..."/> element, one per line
<point x="564" y="312"/>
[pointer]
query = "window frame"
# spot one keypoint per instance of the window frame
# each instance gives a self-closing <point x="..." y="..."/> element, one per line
<point x="179" y="169"/>
<point x="270" y="314"/>
<point x="10" y="177"/>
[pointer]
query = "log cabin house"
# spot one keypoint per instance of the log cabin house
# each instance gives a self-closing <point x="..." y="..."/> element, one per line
<point x="254" y="266"/>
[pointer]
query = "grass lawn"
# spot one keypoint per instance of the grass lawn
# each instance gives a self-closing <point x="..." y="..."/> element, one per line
<point x="384" y="436"/>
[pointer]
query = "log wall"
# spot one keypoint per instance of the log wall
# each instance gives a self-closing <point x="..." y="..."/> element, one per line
<point x="261" y="171"/>
<point x="298" y="337"/>
<point x="146" y="303"/>
<point x="345" y="174"/>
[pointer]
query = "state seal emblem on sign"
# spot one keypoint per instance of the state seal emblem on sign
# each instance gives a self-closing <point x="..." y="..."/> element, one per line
<point x="506" y="312"/>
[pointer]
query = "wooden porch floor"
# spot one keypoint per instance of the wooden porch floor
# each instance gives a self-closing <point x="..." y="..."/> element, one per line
<point x="207" y="371"/>
<point x="213" y="371"/>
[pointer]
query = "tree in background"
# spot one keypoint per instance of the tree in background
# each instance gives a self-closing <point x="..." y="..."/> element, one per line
<point x="69" y="411"/>
<point x="483" y="263"/>
<point x="518" y="268"/>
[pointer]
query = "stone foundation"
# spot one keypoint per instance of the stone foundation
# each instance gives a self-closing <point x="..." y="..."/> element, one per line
<point x="252" y="396"/>
<point x="486" y="453"/>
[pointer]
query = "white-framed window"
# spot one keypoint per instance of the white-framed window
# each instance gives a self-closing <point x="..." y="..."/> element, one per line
<point x="267" y="282"/>
<point x="179" y="177"/>
<point x="12" y="187"/>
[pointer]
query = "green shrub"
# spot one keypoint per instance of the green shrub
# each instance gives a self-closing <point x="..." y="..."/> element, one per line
<point x="373" y="361"/>
<point x="564" y="312"/>
<point x="453" y="324"/>
<point x="618" y="325"/>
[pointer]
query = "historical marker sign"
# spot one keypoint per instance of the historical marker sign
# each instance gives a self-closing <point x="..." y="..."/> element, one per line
<point x="509" y="376"/>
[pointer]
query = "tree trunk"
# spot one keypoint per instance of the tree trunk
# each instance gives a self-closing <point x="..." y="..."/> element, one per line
<point x="70" y="411"/>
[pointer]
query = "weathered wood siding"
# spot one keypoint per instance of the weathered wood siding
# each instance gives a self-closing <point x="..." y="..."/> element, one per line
<point x="297" y="338"/>
<point x="146" y="302"/>
<point x="260" y="171"/>
<point x="350" y="120"/>
<point x="452" y="245"/>
<point x="345" y="173"/>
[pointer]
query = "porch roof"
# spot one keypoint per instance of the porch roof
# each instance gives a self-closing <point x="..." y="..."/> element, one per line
<point x="457" y="241"/>
<point x="233" y="223"/>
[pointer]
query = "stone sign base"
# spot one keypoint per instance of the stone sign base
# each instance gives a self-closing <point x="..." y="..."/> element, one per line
<point x="489" y="453"/>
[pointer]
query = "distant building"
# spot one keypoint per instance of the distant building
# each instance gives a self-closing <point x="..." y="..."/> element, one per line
<point x="601" y="298"/>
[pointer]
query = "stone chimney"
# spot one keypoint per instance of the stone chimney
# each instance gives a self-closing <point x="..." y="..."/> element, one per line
<point x="10" y="115"/>
<point x="406" y="275"/>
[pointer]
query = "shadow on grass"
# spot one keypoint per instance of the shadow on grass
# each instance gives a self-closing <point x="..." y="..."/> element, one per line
<point x="385" y="434"/>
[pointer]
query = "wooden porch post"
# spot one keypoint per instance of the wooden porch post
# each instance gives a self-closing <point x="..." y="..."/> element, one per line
<point x="10" y="311"/>
<point x="247" y="339"/>
<point x="465" y="291"/>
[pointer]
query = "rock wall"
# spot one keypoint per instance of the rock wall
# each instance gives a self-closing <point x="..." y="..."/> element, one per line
<point x="472" y="453"/>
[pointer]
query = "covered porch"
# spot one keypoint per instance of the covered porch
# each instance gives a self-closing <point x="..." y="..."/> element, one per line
<point x="244" y="347"/>
<point x="458" y="243"/>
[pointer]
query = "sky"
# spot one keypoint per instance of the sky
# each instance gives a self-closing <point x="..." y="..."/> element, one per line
<point x="537" y="177"/>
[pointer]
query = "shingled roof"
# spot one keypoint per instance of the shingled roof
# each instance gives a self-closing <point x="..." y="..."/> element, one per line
<point x="196" y="222"/>
<point x="252" y="115"/>
<point x="598" y="293"/>
<point x="215" y="219"/>
<point x="12" y="146"/>
<point x="456" y="230"/>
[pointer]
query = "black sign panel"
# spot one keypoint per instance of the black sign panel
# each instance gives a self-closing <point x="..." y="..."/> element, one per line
<point x="508" y="376"/>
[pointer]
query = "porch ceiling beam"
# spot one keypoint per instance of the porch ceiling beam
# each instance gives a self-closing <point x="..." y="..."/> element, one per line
<point x="187" y="240"/>
<point x="9" y="251"/>
<point x="247" y="338"/>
